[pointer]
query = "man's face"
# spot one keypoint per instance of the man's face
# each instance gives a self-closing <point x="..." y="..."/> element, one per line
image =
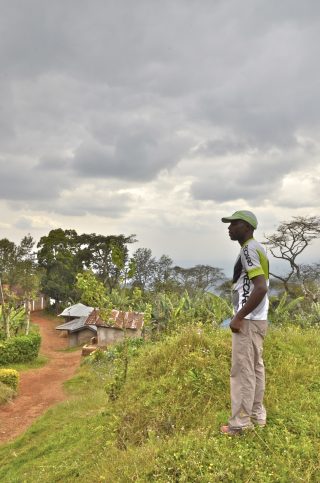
<point x="238" y="230"/>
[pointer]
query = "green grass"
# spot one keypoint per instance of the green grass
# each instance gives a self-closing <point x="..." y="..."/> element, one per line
<point x="6" y="395"/>
<point x="164" y="424"/>
<point x="40" y="361"/>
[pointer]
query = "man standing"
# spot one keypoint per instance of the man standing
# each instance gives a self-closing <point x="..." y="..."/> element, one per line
<point x="248" y="325"/>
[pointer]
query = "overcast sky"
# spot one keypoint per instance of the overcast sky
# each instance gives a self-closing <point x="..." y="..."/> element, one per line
<point x="157" y="118"/>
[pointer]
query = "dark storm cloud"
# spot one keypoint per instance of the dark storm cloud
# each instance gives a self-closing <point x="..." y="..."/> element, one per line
<point x="224" y="189"/>
<point x="220" y="147"/>
<point x="138" y="155"/>
<point x="53" y="163"/>
<point x="19" y="181"/>
<point x="95" y="201"/>
<point x="254" y="179"/>
<point x="102" y="89"/>
<point x="113" y="205"/>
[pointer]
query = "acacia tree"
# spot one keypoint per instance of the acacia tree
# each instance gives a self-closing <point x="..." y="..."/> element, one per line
<point x="288" y="242"/>
<point x="199" y="277"/>
<point x="310" y="275"/>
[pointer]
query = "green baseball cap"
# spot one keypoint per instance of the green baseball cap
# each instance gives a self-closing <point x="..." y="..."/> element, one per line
<point x="244" y="215"/>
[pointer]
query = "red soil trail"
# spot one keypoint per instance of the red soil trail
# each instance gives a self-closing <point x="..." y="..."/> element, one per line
<point x="39" y="388"/>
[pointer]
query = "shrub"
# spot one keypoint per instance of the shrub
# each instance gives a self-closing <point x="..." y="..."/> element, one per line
<point x="6" y="393"/>
<point x="24" y="348"/>
<point x="10" y="377"/>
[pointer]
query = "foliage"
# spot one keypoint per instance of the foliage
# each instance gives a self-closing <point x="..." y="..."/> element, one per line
<point x="92" y="290"/>
<point x="19" y="275"/>
<point x="58" y="255"/>
<point x="28" y="275"/>
<point x="299" y="311"/>
<point x="22" y="348"/>
<point x="6" y="393"/>
<point x="119" y="356"/>
<point x="289" y="241"/>
<point x="8" y="257"/>
<point x="283" y="310"/>
<point x="200" y="277"/>
<point x="9" y="377"/>
<point x="145" y="268"/>
<point x="107" y="257"/>
<point x="161" y="276"/>
<point x="15" y="319"/>
<point x="172" y="311"/>
<point x="164" y="425"/>
<point x="63" y="254"/>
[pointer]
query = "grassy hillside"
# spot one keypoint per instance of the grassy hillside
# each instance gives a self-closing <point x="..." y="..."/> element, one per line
<point x="162" y="423"/>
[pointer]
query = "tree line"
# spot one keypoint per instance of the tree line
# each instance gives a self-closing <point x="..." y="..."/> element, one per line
<point x="52" y="265"/>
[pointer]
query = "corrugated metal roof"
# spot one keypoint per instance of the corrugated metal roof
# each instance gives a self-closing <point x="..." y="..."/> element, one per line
<point x="76" y="325"/>
<point x="77" y="310"/>
<point x="118" y="319"/>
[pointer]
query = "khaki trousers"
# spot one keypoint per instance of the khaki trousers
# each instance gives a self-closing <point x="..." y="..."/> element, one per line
<point x="247" y="378"/>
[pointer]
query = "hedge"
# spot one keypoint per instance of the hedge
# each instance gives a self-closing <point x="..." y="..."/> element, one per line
<point x="24" y="348"/>
<point x="10" y="377"/>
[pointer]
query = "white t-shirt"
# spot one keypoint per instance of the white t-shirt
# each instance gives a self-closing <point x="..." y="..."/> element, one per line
<point x="251" y="262"/>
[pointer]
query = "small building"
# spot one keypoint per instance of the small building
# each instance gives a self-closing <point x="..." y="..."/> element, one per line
<point x="78" y="332"/>
<point x="75" y="326"/>
<point x="119" y="322"/>
<point x="76" y="311"/>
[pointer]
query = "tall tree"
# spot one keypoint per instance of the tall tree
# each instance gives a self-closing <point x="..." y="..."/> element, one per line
<point x="4" y="316"/>
<point x="310" y="276"/>
<point x="199" y="277"/>
<point x="163" y="279"/>
<point x="63" y="254"/>
<point x="59" y="255"/>
<point x="145" y="268"/>
<point x="20" y="273"/>
<point x="8" y="260"/>
<point x="106" y="256"/>
<point x="28" y="274"/>
<point x="289" y="241"/>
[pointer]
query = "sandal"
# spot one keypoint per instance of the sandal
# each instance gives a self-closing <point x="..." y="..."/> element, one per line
<point x="231" y="431"/>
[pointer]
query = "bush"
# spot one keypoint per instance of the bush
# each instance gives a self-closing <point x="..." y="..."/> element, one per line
<point x="10" y="377"/>
<point x="24" y="348"/>
<point x="6" y="393"/>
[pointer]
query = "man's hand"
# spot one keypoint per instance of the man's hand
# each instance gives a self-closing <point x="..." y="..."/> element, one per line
<point x="236" y="324"/>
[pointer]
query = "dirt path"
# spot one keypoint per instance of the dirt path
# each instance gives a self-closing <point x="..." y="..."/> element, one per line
<point x="39" y="388"/>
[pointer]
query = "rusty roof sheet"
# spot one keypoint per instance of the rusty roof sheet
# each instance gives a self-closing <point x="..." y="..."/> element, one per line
<point x="118" y="319"/>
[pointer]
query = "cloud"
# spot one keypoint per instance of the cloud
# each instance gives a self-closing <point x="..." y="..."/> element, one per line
<point x="300" y="190"/>
<point x="137" y="155"/>
<point x="96" y="199"/>
<point x="33" y="222"/>
<point x="161" y="112"/>
<point x="22" y="181"/>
